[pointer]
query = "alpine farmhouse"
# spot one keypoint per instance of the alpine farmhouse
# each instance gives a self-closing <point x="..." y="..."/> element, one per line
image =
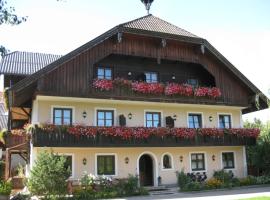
<point x="145" y="98"/>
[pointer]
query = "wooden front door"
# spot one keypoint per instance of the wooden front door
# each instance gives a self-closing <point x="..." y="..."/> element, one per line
<point x="146" y="170"/>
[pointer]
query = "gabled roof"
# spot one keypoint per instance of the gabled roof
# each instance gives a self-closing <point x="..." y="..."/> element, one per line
<point x="155" y="24"/>
<point x="148" y="26"/>
<point x="25" y="63"/>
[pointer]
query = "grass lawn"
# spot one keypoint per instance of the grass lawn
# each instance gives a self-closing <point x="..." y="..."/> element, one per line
<point x="258" y="198"/>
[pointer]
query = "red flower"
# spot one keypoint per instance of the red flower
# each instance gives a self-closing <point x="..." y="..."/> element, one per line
<point x="187" y="90"/>
<point x="188" y="133"/>
<point x="245" y="132"/>
<point x="212" y="132"/>
<point x="214" y="92"/>
<point x="201" y="91"/>
<point x="147" y="88"/>
<point x="103" y="84"/>
<point x="172" y="89"/>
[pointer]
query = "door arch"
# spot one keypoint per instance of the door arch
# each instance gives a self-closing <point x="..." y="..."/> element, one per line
<point x="147" y="169"/>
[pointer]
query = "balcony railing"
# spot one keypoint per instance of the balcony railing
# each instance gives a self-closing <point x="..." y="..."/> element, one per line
<point x="139" y="137"/>
<point x="124" y="91"/>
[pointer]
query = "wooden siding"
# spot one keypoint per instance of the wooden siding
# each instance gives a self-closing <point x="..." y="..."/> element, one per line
<point x="73" y="78"/>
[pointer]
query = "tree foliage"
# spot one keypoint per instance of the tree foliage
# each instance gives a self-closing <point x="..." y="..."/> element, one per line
<point x="8" y="16"/>
<point x="259" y="155"/>
<point x="49" y="175"/>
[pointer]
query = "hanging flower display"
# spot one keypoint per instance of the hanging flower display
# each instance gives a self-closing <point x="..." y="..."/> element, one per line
<point x="103" y="84"/>
<point x="214" y="92"/>
<point x="201" y="91"/>
<point x="147" y="88"/>
<point x="212" y="132"/>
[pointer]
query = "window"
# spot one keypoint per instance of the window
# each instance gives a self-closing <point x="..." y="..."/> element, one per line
<point x="105" y="165"/>
<point x="197" y="162"/>
<point x="152" y="119"/>
<point x="62" y="116"/>
<point x="194" y="120"/>
<point x="151" y="77"/>
<point x="228" y="160"/>
<point x="105" y="118"/>
<point x="225" y="121"/>
<point x="68" y="163"/>
<point x="167" y="161"/>
<point x="193" y="82"/>
<point x="104" y="73"/>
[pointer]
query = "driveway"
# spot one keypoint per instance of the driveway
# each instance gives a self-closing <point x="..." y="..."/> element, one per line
<point x="233" y="194"/>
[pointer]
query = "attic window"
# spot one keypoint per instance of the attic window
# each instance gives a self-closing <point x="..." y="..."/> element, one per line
<point x="151" y="77"/>
<point x="193" y="82"/>
<point x="104" y="73"/>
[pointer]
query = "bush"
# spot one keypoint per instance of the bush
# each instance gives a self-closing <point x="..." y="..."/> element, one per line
<point x="224" y="176"/>
<point x="183" y="179"/>
<point x="193" y="186"/>
<point x="263" y="180"/>
<point x="49" y="175"/>
<point x="5" y="188"/>
<point x="213" y="183"/>
<point x="103" y="187"/>
<point x="249" y="180"/>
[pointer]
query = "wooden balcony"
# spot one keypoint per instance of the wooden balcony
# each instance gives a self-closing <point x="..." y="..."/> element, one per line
<point x="42" y="138"/>
<point x="122" y="93"/>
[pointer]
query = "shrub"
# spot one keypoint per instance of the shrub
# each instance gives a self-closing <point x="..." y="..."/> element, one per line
<point x="183" y="179"/>
<point x="192" y="186"/>
<point x="224" y="176"/>
<point x="213" y="183"/>
<point x="249" y="180"/>
<point x="263" y="180"/>
<point x="5" y="188"/>
<point x="49" y="175"/>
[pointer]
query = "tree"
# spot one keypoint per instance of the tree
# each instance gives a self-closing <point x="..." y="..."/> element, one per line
<point x="8" y="16"/>
<point x="49" y="175"/>
<point x="258" y="156"/>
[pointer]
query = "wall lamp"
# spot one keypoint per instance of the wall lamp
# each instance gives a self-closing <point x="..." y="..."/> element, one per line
<point x="84" y="114"/>
<point x="130" y="115"/>
<point x="173" y="77"/>
<point x="210" y="118"/>
<point x="181" y="158"/>
<point x="84" y="161"/>
<point x="213" y="157"/>
<point x="129" y="73"/>
<point x="174" y="117"/>
<point x="126" y="160"/>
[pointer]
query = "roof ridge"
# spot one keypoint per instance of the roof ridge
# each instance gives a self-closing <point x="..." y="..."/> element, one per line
<point x="134" y="20"/>
<point x="29" y="52"/>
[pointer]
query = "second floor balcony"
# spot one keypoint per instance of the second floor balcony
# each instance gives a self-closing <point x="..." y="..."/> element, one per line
<point x="88" y="136"/>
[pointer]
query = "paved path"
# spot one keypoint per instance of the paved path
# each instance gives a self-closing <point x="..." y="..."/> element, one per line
<point x="233" y="194"/>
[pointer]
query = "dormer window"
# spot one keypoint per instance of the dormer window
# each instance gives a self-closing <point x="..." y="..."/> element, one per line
<point x="151" y="77"/>
<point x="193" y="82"/>
<point x="104" y="73"/>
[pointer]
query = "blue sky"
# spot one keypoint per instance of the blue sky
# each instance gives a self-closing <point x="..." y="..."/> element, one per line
<point x="239" y="29"/>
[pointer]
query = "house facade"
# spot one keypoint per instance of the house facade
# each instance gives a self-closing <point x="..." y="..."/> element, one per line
<point x="145" y="98"/>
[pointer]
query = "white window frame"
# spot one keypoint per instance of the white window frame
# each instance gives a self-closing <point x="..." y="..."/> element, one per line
<point x="107" y="109"/>
<point x="68" y="107"/>
<point x="73" y="162"/>
<point x="171" y="158"/>
<point x="115" y="162"/>
<point x="198" y="113"/>
<point x="230" y="114"/>
<point x="161" y="117"/>
<point x="234" y="158"/>
<point x="205" y="161"/>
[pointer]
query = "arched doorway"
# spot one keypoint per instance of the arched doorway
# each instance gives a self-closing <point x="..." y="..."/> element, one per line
<point x="146" y="170"/>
